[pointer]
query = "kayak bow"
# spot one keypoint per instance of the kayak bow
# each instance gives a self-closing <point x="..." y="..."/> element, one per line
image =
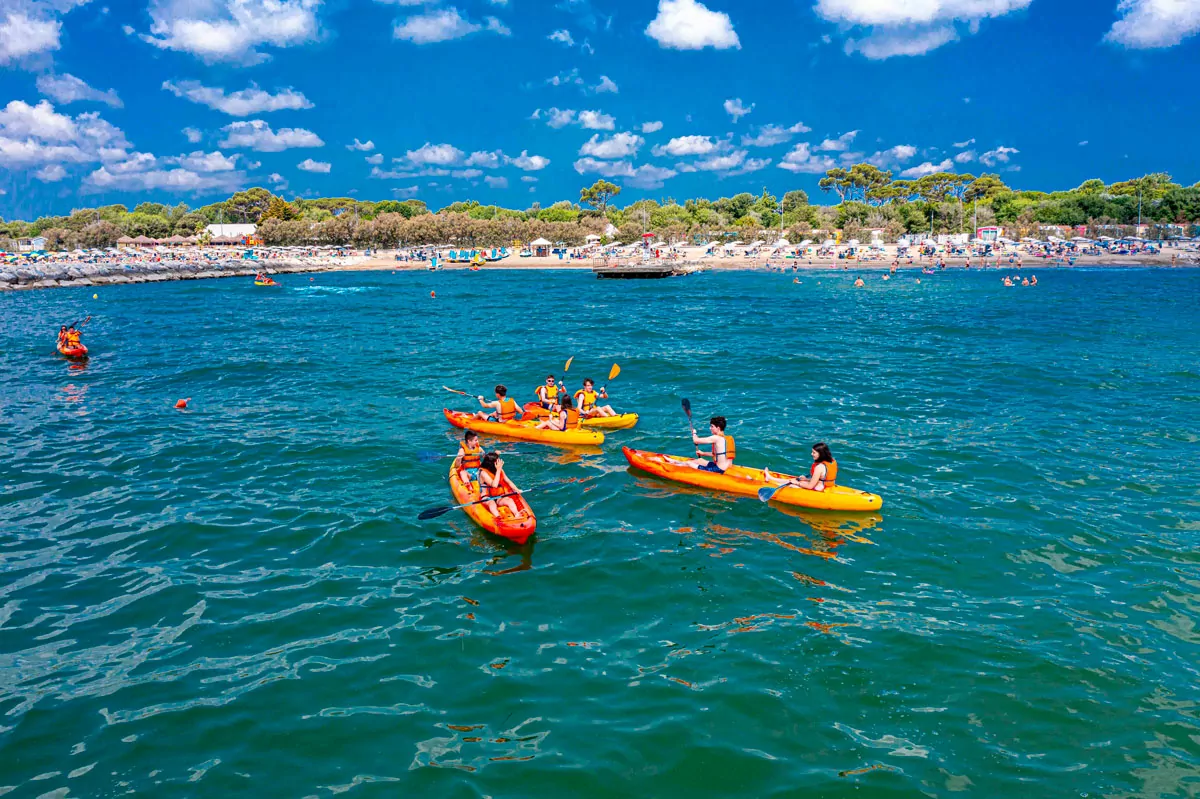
<point x="524" y="430"/>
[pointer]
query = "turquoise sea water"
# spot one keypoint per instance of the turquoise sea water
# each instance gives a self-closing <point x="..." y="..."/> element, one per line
<point x="238" y="600"/>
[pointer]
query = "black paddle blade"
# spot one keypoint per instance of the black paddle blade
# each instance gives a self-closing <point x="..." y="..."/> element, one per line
<point x="433" y="513"/>
<point x="687" y="407"/>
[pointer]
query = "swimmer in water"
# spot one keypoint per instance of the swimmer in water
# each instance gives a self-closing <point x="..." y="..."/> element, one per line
<point x="859" y="283"/>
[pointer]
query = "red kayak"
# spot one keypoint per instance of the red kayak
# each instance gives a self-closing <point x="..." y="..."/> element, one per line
<point x="73" y="352"/>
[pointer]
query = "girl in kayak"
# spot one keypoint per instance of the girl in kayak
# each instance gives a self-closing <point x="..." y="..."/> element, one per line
<point x="723" y="448"/>
<point x="503" y="409"/>
<point x="559" y="416"/>
<point x="822" y="474"/>
<point x="470" y="455"/>
<point x="585" y="401"/>
<point x="491" y="484"/>
<point x="548" y="394"/>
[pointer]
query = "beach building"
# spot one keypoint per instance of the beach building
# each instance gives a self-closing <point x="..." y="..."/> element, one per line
<point x="246" y="235"/>
<point x="540" y="247"/>
<point x="35" y="244"/>
<point x="990" y="234"/>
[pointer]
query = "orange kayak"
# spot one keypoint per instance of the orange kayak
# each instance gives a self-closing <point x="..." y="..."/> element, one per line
<point x="622" y="421"/>
<point x="73" y="352"/>
<point x="746" y="482"/>
<point x="515" y="528"/>
<point x="524" y="430"/>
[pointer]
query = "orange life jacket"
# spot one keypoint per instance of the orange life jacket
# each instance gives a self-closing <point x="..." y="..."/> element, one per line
<point x="730" y="449"/>
<point x="471" y="457"/>
<point x="831" y="470"/>
<point x="508" y="410"/>
<point x="72" y="339"/>
<point x="589" y="399"/>
<point x="551" y="394"/>
<point x="486" y="490"/>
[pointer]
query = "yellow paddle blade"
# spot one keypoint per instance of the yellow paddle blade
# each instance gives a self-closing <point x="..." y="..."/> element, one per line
<point x="567" y="368"/>
<point x="616" y="370"/>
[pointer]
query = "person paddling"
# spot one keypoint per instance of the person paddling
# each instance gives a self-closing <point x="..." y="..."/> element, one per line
<point x="548" y="394"/>
<point x="585" y="401"/>
<point x="724" y="450"/>
<point x="560" y="416"/>
<point x="821" y="475"/>
<point x="503" y="408"/>
<point x="470" y="455"/>
<point x="491" y="484"/>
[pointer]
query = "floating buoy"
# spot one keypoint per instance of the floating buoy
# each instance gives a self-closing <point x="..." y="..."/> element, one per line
<point x="182" y="404"/>
<point x="95" y="296"/>
<point x="433" y="294"/>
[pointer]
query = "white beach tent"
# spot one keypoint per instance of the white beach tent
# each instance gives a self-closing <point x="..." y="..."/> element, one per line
<point x="783" y="243"/>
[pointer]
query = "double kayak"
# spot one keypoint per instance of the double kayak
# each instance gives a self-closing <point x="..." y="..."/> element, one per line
<point x="515" y="528"/>
<point x="746" y="482"/>
<point x="524" y="430"/>
<point x="622" y="421"/>
<point x="73" y="352"/>
<point x="265" y="283"/>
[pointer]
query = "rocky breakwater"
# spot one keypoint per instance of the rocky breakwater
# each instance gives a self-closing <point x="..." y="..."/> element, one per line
<point x="56" y="274"/>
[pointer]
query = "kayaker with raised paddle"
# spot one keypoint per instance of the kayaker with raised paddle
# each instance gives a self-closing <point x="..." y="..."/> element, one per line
<point x="724" y="450"/>
<point x="548" y="394"/>
<point x="503" y="409"/>
<point x="585" y="401"/>
<point x="822" y="474"/>
<point x="470" y="455"/>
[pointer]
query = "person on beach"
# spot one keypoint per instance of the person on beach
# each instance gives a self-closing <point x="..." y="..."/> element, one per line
<point x="821" y="475"/>
<point x="560" y="416"/>
<point x="548" y="394"/>
<point x="502" y="408"/>
<point x="585" y="401"/>
<point x="491" y="484"/>
<point x="724" y="450"/>
<point x="470" y="455"/>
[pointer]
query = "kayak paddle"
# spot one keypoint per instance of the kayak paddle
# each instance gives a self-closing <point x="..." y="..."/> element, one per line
<point x="433" y="513"/>
<point x="456" y="391"/>
<point x="687" y="408"/>
<point x="767" y="493"/>
<point x="612" y="375"/>
<point x="429" y="456"/>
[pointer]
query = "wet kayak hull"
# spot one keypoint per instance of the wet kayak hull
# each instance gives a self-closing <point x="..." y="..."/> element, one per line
<point x="524" y="430"/>
<point x="746" y="482"/>
<point x="77" y="353"/>
<point x="623" y="421"/>
<point x="517" y="529"/>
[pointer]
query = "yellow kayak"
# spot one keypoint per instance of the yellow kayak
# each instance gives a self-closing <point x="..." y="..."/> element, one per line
<point x="622" y="421"/>
<point x="746" y="482"/>
<point x="524" y="430"/>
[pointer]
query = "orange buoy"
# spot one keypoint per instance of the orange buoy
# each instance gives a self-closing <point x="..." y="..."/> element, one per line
<point x="182" y="404"/>
<point x="433" y="294"/>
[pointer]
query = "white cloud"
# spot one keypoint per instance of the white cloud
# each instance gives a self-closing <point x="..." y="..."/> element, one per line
<point x="619" y="145"/>
<point x="496" y="182"/>
<point x="721" y="163"/>
<point x="201" y="161"/>
<point x="594" y="120"/>
<point x="241" y="103"/>
<point x="736" y="109"/>
<point x="375" y="159"/>
<point x="608" y="169"/>
<point x="277" y="180"/>
<point x="965" y="157"/>
<point x="686" y="145"/>
<point x="1000" y="155"/>
<point x="192" y="135"/>
<point x="23" y="35"/>
<point x="309" y="165"/>
<point x="231" y="30"/>
<point x="51" y="173"/>
<point x="750" y="165"/>
<point x="70" y="89"/>
<point x="651" y="127"/>
<point x="528" y="179"/>
<point x="257" y="135"/>
<point x="689" y="25"/>
<point x="649" y="176"/>
<point x="927" y="168"/>
<point x="487" y="160"/>
<point x="435" y="155"/>
<point x="770" y="135"/>
<point x="196" y="172"/>
<point x="911" y="28"/>
<point x="1146" y="24"/>
<point x="893" y="156"/>
<point x="801" y="159"/>
<point x="406" y="191"/>
<point x="361" y="146"/>
<point x="529" y="163"/>
<point x="559" y="117"/>
<point x="1083" y="143"/>
<point x="36" y="135"/>
<point x="605" y="85"/>
<point x="443" y="25"/>
<point x="563" y="37"/>
<point x="571" y="78"/>
<point x="840" y="144"/>
<point x="961" y="145"/>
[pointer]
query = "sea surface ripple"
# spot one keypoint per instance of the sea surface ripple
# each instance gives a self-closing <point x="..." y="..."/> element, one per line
<point x="238" y="598"/>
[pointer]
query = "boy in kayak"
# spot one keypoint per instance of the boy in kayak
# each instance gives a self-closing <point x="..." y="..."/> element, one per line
<point x="724" y="450"/>
<point x="585" y="401"/>
<point x="822" y="474"/>
<point x="470" y="455"/>
<point x="548" y="394"/>
<point x="503" y="408"/>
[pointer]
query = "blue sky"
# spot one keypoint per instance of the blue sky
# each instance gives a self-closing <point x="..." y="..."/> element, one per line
<point x="516" y="101"/>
